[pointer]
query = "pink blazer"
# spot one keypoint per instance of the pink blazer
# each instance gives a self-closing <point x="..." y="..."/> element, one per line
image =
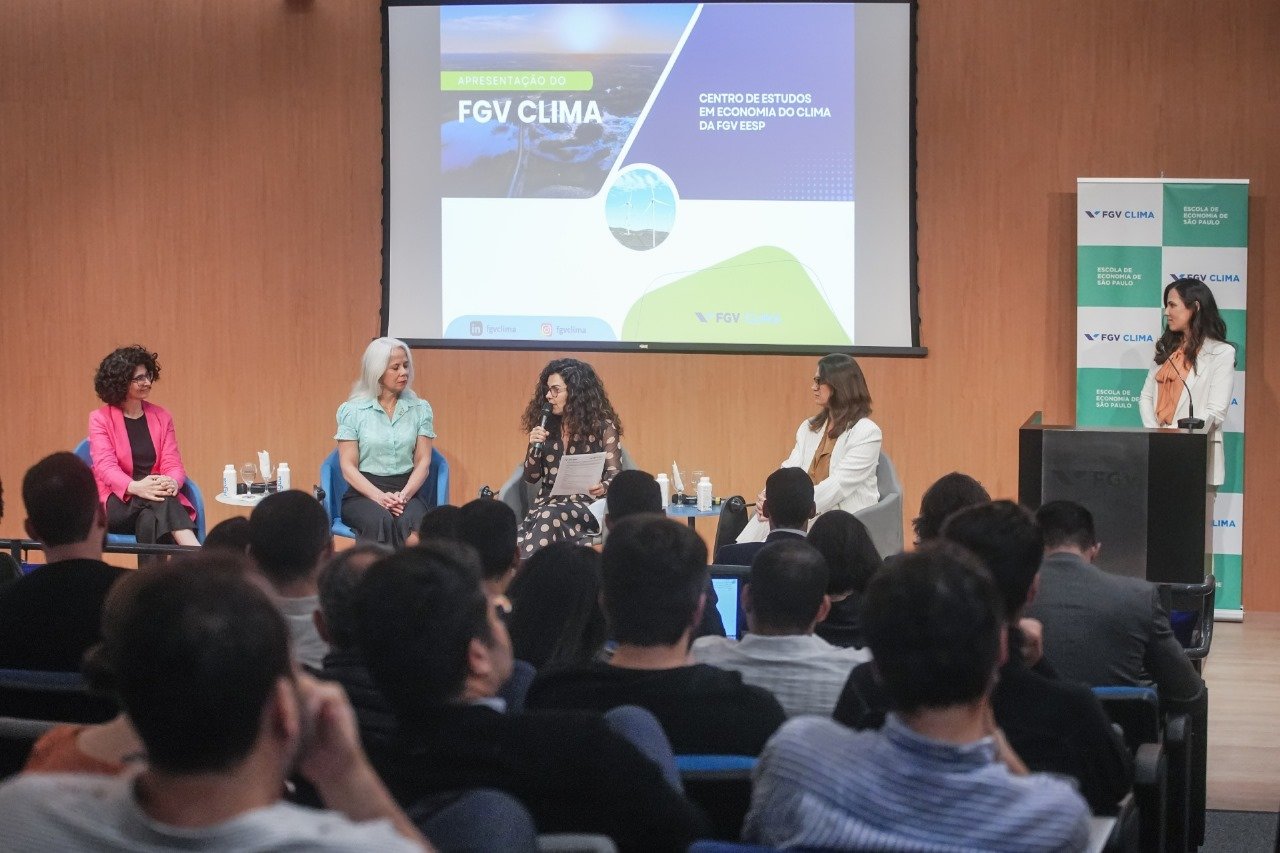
<point x="113" y="457"/>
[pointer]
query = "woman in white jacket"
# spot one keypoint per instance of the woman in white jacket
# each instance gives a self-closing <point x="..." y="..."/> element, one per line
<point x="839" y="446"/>
<point x="1194" y="368"/>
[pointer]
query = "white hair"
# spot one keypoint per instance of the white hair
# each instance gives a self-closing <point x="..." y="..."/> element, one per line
<point x="377" y="355"/>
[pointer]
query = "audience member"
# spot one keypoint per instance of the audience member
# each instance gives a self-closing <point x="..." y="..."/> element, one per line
<point x="788" y="505"/>
<point x="49" y="618"/>
<point x="202" y="666"/>
<point x="490" y="526"/>
<point x="786" y="597"/>
<point x="440" y="522"/>
<point x="1099" y="628"/>
<point x="1056" y="726"/>
<point x="654" y="571"/>
<point x="230" y="535"/>
<point x="10" y="569"/>
<point x="556" y="618"/>
<point x="438" y="652"/>
<point x="289" y="540"/>
<point x="940" y="775"/>
<point x="105" y="748"/>
<point x="638" y="493"/>
<point x="344" y="663"/>
<point x="852" y="560"/>
<point x="949" y="493"/>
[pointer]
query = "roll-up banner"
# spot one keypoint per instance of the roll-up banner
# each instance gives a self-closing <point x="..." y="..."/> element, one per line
<point x="1133" y="237"/>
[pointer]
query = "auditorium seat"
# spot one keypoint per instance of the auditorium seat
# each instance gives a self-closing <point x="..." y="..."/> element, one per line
<point x="189" y="488"/>
<point x="335" y="486"/>
<point x="721" y="785"/>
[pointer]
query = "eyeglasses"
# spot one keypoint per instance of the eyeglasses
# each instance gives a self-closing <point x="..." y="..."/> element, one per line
<point x="143" y="379"/>
<point x="818" y="380"/>
<point x="555" y="390"/>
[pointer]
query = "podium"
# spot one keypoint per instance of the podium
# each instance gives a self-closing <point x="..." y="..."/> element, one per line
<point x="1146" y="489"/>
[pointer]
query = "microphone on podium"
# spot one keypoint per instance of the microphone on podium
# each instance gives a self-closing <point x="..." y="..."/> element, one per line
<point x="546" y="413"/>
<point x="1190" y="421"/>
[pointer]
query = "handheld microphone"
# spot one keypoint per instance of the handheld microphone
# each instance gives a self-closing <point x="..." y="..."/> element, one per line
<point x="546" y="413"/>
<point x="1190" y="421"/>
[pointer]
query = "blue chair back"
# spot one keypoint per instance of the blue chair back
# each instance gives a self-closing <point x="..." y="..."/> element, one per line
<point x="189" y="488"/>
<point x="436" y="488"/>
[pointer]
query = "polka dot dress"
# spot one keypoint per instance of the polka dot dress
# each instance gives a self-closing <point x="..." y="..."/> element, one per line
<point x="565" y="517"/>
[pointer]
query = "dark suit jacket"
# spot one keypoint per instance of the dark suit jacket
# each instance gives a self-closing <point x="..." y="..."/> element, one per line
<point x="1103" y="629"/>
<point x="51" y="617"/>
<point x="570" y="770"/>
<point x="742" y="553"/>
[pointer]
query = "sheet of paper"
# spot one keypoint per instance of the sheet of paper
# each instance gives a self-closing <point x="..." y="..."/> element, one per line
<point x="578" y="472"/>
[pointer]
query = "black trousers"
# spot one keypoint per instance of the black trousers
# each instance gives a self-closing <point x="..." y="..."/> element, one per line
<point x="373" y="522"/>
<point x="149" y="521"/>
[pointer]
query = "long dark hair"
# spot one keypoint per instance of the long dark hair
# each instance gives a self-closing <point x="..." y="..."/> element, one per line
<point x="588" y="406"/>
<point x="556" y="618"/>
<point x="850" y="398"/>
<point x="1205" y="324"/>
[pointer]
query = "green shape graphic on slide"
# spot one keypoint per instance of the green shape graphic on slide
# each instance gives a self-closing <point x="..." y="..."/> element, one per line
<point x="1233" y="460"/>
<point x="1234" y="318"/>
<point x="763" y="296"/>
<point x="1206" y="214"/>
<point x="1118" y="276"/>
<point x="1228" y="572"/>
<point x="1107" y="396"/>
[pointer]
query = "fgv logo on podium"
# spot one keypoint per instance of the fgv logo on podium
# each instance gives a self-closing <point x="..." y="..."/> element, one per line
<point x="1120" y="214"/>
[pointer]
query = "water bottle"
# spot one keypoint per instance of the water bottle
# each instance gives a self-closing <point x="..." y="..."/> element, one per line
<point x="229" y="481"/>
<point x="664" y="485"/>
<point x="704" y="494"/>
<point x="282" y="477"/>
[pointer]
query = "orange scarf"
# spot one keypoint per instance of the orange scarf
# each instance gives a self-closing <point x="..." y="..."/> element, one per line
<point x="1169" y="384"/>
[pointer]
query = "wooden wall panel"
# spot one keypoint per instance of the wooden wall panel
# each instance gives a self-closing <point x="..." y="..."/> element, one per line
<point x="205" y="177"/>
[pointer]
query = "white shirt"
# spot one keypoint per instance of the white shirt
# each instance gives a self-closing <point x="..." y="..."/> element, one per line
<point x="804" y="671"/>
<point x="80" y="811"/>
<point x="1211" y="383"/>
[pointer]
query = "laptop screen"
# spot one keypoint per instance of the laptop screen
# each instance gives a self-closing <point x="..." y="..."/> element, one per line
<point x="727" y="581"/>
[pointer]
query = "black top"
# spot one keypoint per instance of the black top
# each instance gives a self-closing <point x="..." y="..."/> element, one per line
<point x="374" y="717"/>
<point x="703" y="710"/>
<point x="141" y="445"/>
<point x="1054" y="726"/>
<point x="570" y="770"/>
<point x="49" y="618"/>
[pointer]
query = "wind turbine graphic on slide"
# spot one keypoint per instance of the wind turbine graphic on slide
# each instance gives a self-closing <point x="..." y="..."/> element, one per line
<point x="652" y="209"/>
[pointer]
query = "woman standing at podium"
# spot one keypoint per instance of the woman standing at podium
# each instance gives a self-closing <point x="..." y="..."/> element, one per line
<point x="1194" y="372"/>
<point x="839" y="446"/>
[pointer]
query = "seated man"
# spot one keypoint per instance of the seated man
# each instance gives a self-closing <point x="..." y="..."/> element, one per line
<point x="654" y="571"/>
<point x="788" y="505"/>
<point x="289" y="540"/>
<point x="1102" y="629"/>
<point x="786" y="598"/>
<point x="438" y="651"/>
<point x="633" y="492"/>
<point x="949" y="493"/>
<point x="344" y="663"/>
<point x="1056" y="726"/>
<point x="490" y="526"/>
<point x="49" y="618"/>
<point x="939" y="775"/>
<point x="201" y="662"/>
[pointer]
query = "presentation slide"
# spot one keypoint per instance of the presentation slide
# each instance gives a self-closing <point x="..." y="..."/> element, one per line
<point x="674" y="176"/>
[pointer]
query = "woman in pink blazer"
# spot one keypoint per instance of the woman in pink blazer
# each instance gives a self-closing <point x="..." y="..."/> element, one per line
<point x="135" y="453"/>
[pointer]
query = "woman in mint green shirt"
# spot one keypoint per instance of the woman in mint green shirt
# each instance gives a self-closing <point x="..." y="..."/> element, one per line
<point x="384" y="446"/>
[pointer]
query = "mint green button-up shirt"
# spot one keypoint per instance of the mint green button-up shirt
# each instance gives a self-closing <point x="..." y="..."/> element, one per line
<point x="385" y="444"/>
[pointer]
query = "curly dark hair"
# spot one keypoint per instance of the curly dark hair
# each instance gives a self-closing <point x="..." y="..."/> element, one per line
<point x="116" y="372"/>
<point x="1206" y="323"/>
<point x="588" y="406"/>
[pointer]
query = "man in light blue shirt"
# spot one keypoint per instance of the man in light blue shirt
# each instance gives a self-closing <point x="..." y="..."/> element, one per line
<point x="940" y="775"/>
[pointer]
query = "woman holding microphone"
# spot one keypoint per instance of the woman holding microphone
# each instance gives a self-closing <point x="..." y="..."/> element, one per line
<point x="1194" y="368"/>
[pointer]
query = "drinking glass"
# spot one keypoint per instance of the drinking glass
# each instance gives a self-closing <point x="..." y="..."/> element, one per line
<point x="247" y="473"/>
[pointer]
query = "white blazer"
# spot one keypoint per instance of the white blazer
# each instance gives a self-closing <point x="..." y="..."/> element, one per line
<point x="851" y="484"/>
<point x="1212" y="382"/>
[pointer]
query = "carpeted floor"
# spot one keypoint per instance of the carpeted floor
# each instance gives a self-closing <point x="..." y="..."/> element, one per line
<point x="1239" y="832"/>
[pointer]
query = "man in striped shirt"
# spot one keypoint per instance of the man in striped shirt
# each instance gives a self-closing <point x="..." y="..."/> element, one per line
<point x="939" y="776"/>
